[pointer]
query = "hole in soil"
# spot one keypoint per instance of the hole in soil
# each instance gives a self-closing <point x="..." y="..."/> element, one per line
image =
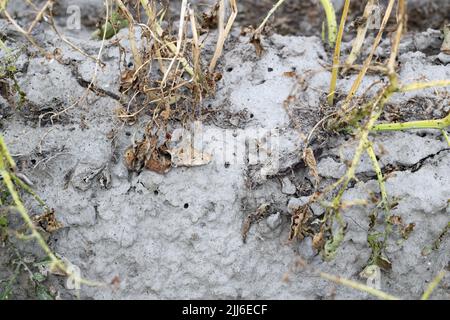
<point x="156" y="192"/>
<point x="229" y="69"/>
<point x="227" y="165"/>
<point x="422" y="134"/>
<point x="251" y="115"/>
<point x="186" y="205"/>
<point x="33" y="161"/>
<point x="128" y="133"/>
<point x="270" y="69"/>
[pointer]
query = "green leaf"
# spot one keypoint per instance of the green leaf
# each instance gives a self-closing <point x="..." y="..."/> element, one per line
<point x="42" y="293"/>
<point x="39" y="277"/>
<point x="3" y="222"/>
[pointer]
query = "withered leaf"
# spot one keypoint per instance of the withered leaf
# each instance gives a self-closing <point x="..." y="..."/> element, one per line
<point x="384" y="263"/>
<point x="126" y="80"/>
<point x="290" y="74"/>
<point x="318" y="241"/>
<point x="159" y="163"/>
<point x="299" y="222"/>
<point x="209" y="19"/>
<point x="396" y="220"/>
<point x="147" y="154"/>
<point x="310" y="161"/>
<point x="406" y="231"/>
<point x="48" y="221"/>
<point x="256" y="41"/>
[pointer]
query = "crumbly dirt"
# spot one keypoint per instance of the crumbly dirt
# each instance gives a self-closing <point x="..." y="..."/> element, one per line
<point x="179" y="235"/>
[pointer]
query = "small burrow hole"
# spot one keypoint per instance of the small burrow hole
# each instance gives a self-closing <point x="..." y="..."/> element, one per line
<point x="422" y="134"/>
<point x="186" y="205"/>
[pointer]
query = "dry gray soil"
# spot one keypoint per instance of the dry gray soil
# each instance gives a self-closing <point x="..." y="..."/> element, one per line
<point x="178" y="235"/>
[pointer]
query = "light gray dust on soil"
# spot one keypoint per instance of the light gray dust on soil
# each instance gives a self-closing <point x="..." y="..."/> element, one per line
<point x="179" y="235"/>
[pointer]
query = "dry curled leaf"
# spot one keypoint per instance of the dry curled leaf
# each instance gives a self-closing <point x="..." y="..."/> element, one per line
<point x="406" y="230"/>
<point x="290" y="74"/>
<point x="127" y="80"/>
<point x="396" y="220"/>
<point x="48" y="221"/>
<point x="318" y="241"/>
<point x="310" y="161"/>
<point x="256" y="41"/>
<point x="299" y="222"/>
<point x="149" y="155"/>
<point x="209" y="19"/>
<point x="159" y="162"/>
<point x="115" y="283"/>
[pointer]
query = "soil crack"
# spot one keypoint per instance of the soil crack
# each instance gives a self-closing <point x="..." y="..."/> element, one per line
<point x="397" y="167"/>
<point x="87" y="84"/>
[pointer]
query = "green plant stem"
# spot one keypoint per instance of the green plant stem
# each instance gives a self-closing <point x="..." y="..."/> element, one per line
<point x="433" y="285"/>
<point x="444" y="133"/>
<point x="363" y="142"/>
<point x="422" y="124"/>
<point x="4" y="47"/>
<point x="25" y="187"/>
<point x="337" y="53"/>
<point x="7" y="180"/>
<point x="379" y="173"/>
<point x="3" y="4"/>
<point x="358" y="286"/>
<point x="424" y="85"/>
<point x="331" y="21"/>
<point x="6" y="165"/>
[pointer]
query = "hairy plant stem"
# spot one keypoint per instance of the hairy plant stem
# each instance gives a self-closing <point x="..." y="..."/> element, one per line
<point x="421" y="124"/>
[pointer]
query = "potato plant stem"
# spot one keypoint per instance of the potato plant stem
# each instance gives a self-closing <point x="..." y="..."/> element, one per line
<point x="422" y="124"/>
<point x="337" y="53"/>
<point x="331" y="21"/>
<point x="7" y="166"/>
<point x="7" y="180"/>
<point x="433" y="285"/>
<point x="358" y="286"/>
